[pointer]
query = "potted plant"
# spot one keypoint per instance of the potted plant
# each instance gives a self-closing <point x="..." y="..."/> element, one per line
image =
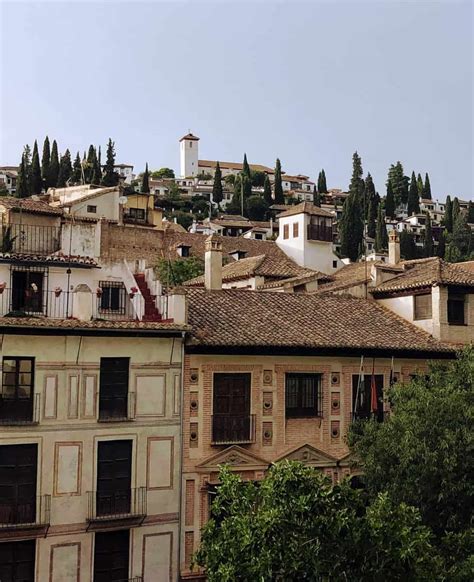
<point x="57" y="291"/>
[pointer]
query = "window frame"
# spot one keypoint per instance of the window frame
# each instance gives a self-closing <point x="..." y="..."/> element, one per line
<point x="296" y="228"/>
<point x="417" y="316"/>
<point x="17" y="384"/>
<point x="455" y="299"/>
<point x="300" y="411"/>
<point x="89" y="208"/>
<point x="286" y="231"/>
<point x="107" y="287"/>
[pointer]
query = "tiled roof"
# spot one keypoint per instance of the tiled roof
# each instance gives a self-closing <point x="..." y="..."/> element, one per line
<point x="467" y="266"/>
<point x="261" y="265"/>
<point x="298" y="280"/>
<point x="425" y="273"/>
<point x="59" y="258"/>
<point x="190" y="136"/>
<point x="252" y="319"/>
<point x="29" y="205"/>
<point x="306" y="208"/>
<point x="45" y="323"/>
<point x="234" y="166"/>
<point x="348" y="276"/>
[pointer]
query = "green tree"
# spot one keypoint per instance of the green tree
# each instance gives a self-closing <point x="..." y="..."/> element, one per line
<point x="267" y="191"/>
<point x="65" y="169"/>
<point x="389" y="202"/>
<point x="370" y="195"/>
<point x="36" y="183"/>
<point x="295" y="525"/>
<point x="45" y="161"/>
<point x="257" y="208"/>
<point x="96" y="174"/>
<point x="448" y="214"/>
<point x="162" y="173"/>
<point x="470" y="213"/>
<point x="54" y="165"/>
<point x="110" y="177"/>
<point x="351" y="226"/>
<point x="316" y="198"/>
<point x="257" y="178"/>
<point x="423" y="454"/>
<point x="456" y="210"/>
<point x="452" y="253"/>
<point x="420" y="186"/>
<point x="381" y="236"/>
<point x="279" y="198"/>
<point x="372" y="218"/>
<point x="145" y="187"/>
<point x="23" y="182"/>
<point x="399" y="183"/>
<point x="408" y="248"/>
<point x="322" y="186"/>
<point x="217" y="193"/>
<point x="76" y="177"/>
<point x="428" y="238"/>
<point x="413" y="197"/>
<point x="427" y="188"/>
<point x="461" y="238"/>
<point x="441" y="248"/>
<point x="172" y="273"/>
<point x="246" y="168"/>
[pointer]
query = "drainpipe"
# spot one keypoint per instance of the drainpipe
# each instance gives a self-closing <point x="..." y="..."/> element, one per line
<point x="181" y="455"/>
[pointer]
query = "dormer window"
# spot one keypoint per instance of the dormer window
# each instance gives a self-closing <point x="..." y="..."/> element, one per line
<point x="456" y="308"/>
<point x="238" y="254"/>
<point x="183" y="250"/>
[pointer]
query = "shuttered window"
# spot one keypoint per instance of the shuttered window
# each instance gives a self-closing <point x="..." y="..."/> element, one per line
<point x="423" y="306"/>
<point x="456" y="309"/>
<point x="303" y="395"/>
<point x="295" y="230"/>
<point x="286" y="231"/>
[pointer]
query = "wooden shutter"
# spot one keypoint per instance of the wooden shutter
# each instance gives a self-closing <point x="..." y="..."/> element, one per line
<point x="423" y="306"/>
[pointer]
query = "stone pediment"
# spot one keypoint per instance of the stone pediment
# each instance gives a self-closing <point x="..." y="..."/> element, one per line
<point x="234" y="456"/>
<point x="310" y="456"/>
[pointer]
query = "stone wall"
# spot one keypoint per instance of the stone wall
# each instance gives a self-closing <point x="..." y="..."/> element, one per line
<point x="131" y="243"/>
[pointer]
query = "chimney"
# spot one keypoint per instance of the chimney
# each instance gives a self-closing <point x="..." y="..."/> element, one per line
<point x="393" y="247"/>
<point x="213" y="263"/>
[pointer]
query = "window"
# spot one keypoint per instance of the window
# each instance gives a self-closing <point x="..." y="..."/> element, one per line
<point x="231" y="420"/>
<point x="137" y="213"/>
<point x="16" y="397"/>
<point x="111" y="556"/>
<point x="17" y="561"/>
<point x="334" y="264"/>
<point x="456" y="308"/>
<point x="190" y="144"/>
<point x="113" y="296"/>
<point x="295" y="229"/>
<point x="303" y="395"/>
<point x="113" y="391"/>
<point x="18" y="468"/>
<point x="184" y="251"/>
<point x="92" y="209"/>
<point x="114" y="476"/>
<point x="361" y="396"/>
<point x="423" y="306"/>
<point x="286" y="231"/>
<point x="27" y="290"/>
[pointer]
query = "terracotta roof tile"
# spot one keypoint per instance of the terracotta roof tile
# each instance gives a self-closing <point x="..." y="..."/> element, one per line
<point x="245" y="319"/>
<point x="307" y="208"/>
<point x="234" y="166"/>
<point x="57" y="258"/>
<point x="348" y="276"/>
<point x="45" y="323"/>
<point x="29" y="205"/>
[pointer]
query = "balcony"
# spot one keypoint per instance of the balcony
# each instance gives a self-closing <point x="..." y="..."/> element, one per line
<point x="116" y="409"/>
<point x="21" y="302"/>
<point x="30" y="239"/>
<point x="30" y="514"/>
<point x="19" y="411"/>
<point x="115" y="509"/>
<point x="233" y="429"/>
<point x="113" y="303"/>
<point x="320" y="232"/>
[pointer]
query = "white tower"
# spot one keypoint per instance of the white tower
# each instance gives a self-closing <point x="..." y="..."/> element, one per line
<point x="189" y="155"/>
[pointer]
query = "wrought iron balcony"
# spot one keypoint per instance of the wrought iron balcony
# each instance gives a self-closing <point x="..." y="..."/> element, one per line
<point x="34" y="512"/>
<point x="128" y="505"/>
<point x="116" y="409"/>
<point x="30" y="239"/>
<point x="114" y="303"/>
<point x="19" y="411"/>
<point x="230" y="429"/>
<point x="320" y="232"/>
<point x="21" y="302"/>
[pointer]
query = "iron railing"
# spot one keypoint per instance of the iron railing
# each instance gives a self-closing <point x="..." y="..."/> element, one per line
<point x="28" y="302"/>
<point x="113" y="303"/>
<point x="30" y="239"/>
<point x="121" y="504"/>
<point x="319" y="232"/>
<point x="116" y="408"/>
<point x="31" y="512"/>
<point x="19" y="411"/>
<point x="233" y="429"/>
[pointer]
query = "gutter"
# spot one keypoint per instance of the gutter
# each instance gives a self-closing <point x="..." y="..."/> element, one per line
<point x="87" y="332"/>
<point x="181" y="455"/>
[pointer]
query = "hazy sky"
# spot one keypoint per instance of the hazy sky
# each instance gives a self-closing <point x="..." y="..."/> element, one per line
<point x="308" y="82"/>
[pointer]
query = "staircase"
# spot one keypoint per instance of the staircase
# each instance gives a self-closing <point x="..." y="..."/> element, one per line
<point x="151" y="312"/>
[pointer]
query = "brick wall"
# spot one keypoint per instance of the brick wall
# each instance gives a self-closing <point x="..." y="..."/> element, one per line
<point x="130" y="242"/>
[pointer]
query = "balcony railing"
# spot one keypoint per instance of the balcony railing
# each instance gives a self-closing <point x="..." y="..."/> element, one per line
<point x="113" y="308"/>
<point x="27" y="513"/>
<point x="21" y="302"/>
<point x="116" y="505"/>
<point x="19" y="411"/>
<point x="233" y="429"/>
<point x="30" y="239"/>
<point x="320" y="232"/>
<point x="115" y="409"/>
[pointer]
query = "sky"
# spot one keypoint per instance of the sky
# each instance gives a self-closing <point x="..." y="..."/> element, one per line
<point x="308" y="82"/>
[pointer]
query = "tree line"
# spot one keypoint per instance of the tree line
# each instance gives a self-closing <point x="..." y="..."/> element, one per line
<point x="55" y="171"/>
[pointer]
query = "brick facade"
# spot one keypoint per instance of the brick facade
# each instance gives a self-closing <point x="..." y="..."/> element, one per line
<point x="130" y="242"/>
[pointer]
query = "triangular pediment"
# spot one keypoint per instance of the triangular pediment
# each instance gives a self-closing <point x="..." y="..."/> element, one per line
<point x="349" y="460"/>
<point x="234" y="456"/>
<point x="310" y="456"/>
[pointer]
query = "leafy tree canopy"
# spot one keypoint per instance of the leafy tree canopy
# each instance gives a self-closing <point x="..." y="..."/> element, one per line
<point x="256" y="208"/>
<point x="162" y="173"/>
<point x="173" y="273"/>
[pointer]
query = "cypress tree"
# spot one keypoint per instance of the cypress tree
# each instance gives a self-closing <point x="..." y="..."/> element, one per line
<point x="246" y="186"/>
<point x="428" y="240"/>
<point x="456" y="211"/>
<point x="217" y="193"/>
<point x="267" y="191"/>
<point x="76" y="176"/>
<point x="462" y="236"/>
<point x="278" y="188"/>
<point x="389" y="202"/>
<point x="96" y="177"/>
<point x="351" y="223"/>
<point x="399" y="183"/>
<point x="145" y="187"/>
<point x="54" y="165"/>
<point x="322" y="186"/>
<point x="317" y="198"/>
<point x="246" y="167"/>
<point x="448" y="214"/>
<point x="413" y="197"/>
<point x="23" y="178"/>
<point x="452" y="254"/>
<point x="419" y="184"/>
<point x="470" y="213"/>
<point x="45" y="160"/>
<point x="36" y="183"/>
<point x="407" y="246"/>
<point x="110" y="177"/>
<point x="441" y="248"/>
<point x="372" y="218"/>
<point x="65" y="169"/>
<point x="370" y="196"/>
<point x="427" y="188"/>
<point x="381" y="236"/>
